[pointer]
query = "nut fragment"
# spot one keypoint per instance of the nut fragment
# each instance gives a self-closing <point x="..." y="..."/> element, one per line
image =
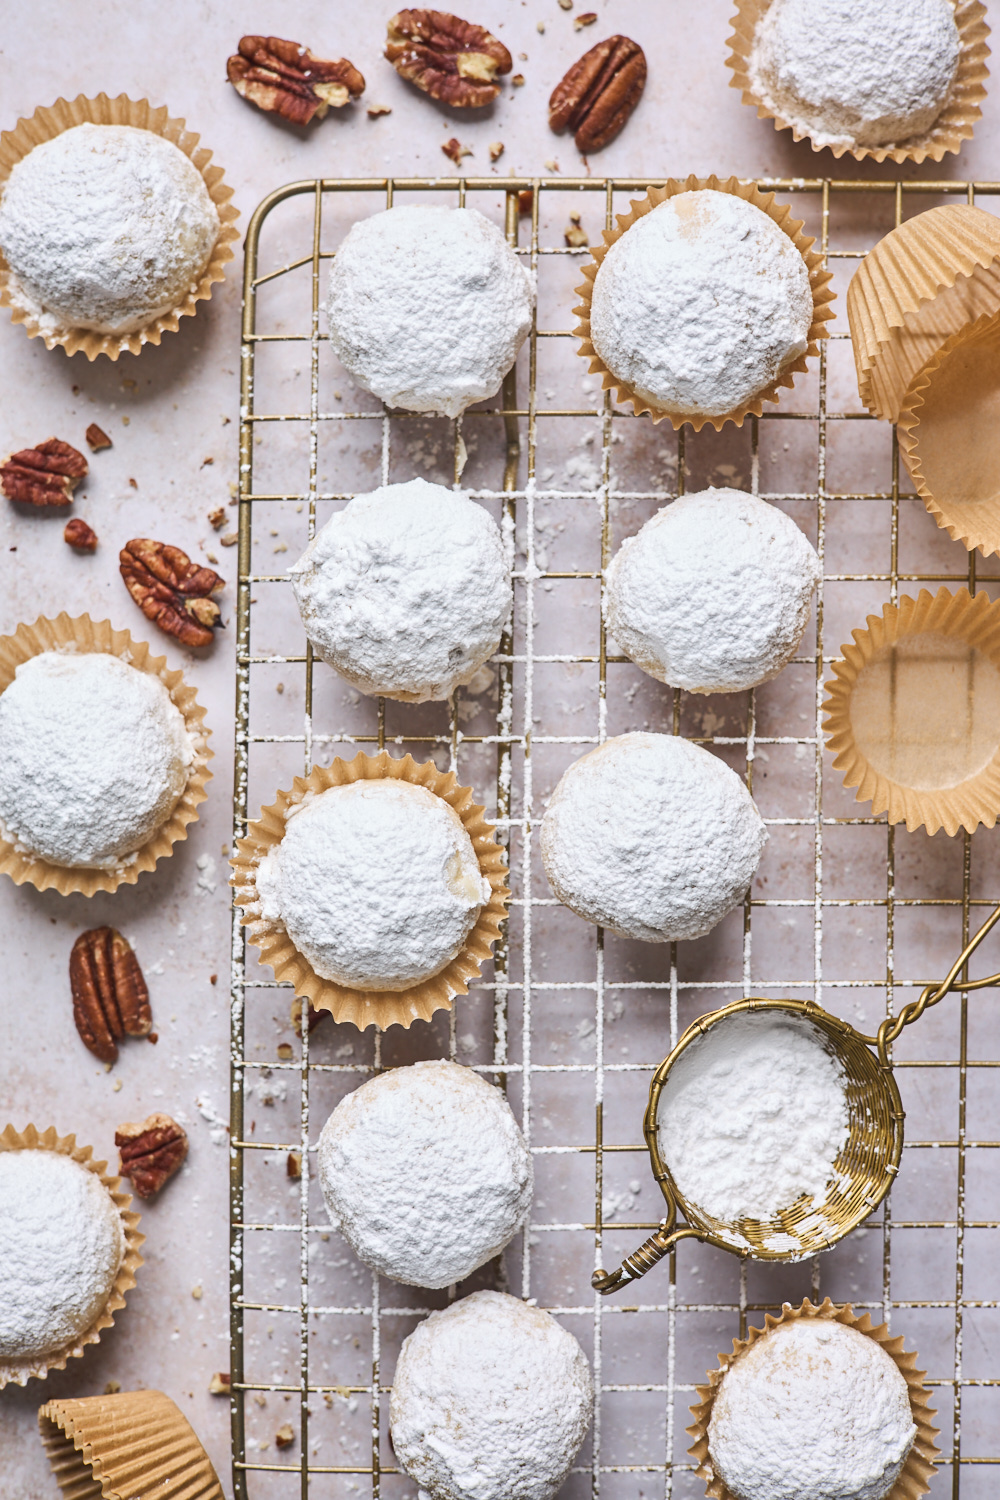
<point x="221" y="1383"/>
<point x="285" y="79"/>
<point x="525" y="201"/>
<point x="575" y="236"/>
<point x="293" y="1166"/>
<point x="284" y="1437"/>
<point x="517" y="81"/>
<point x="587" y="19"/>
<point x="151" y="1152"/>
<point x="496" y="150"/>
<point x="45" y="475"/>
<point x="97" y="438"/>
<point x="375" y="110"/>
<point x="599" y="93"/>
<point x="110" y="998"/>
<point x="217" y="518"/>
<point x="448" y="58"/>
<point x="79" y="535"/>
<point x="455" y="150"/>
<point x="171" y="590"/>
<point x="230" y="539"/>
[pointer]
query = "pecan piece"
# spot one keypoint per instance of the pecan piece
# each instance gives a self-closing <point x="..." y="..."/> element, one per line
<point x="110" y="998"/>
<point x="285" y="79"/>
<point x="46" y="475"/>
<point x="171" y="590"/>
<point x="599" y="93"/>
<point x="79" y="535"/>
<point x="97" y="438"/>
<point x="446" y="57"/>
<point x="151" y="1152"/>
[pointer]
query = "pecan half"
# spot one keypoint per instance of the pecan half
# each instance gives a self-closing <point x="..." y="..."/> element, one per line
<point x="171" y="590"/>
<point x="79" y="535"/>
<point x="151" y="1152"/>
<point x="97" y="438"/>
<point x="46" y="475"/>
<point x="599" y="93"/>
<point x="446" y="57"/>
<point x="285" y="79"/>
<point x="110" y="998"/>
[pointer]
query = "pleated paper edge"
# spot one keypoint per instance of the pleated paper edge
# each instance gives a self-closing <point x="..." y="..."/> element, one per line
<point x="819" y="281"/>
<point x="974" y="801"/>
<point x="45" y="124"/>
<point x="915" y="1476"/>
<point x="955" y="124"/>
<point x="99" y="635"/>
<point x="19" y="1372"/>
<point x="366" y="1008"/>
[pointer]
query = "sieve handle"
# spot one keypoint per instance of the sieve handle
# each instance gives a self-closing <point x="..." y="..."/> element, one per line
<point x="932" y="993"/>
<point x="659" y="1244"/>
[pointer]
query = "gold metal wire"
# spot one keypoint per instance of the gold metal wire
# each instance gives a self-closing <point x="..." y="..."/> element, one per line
<point x="523" y="415"/>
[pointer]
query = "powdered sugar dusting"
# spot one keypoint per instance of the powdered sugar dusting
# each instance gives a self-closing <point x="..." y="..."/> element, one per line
<point x="856" y="72"/>
<point x="701" y="304"/>
<point x="61" y="1244"/>
<point x="425" y="1173"/>
<point x="376" y="883"/>
<point x="712" y="630"/>
<point x="105" y="227"/>
<point x="753" y="1115"/>
<point x="94" y="756"/>
<point x="428" y="307"/>
<point x="651" y="836"/>
<point x="406" y="591"/>
<point x="491" y="1400"/>
<point x="814" y="1410"/>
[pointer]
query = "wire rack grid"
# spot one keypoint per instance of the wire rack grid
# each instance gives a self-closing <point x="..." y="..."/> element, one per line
<point x="647" y="1356"/>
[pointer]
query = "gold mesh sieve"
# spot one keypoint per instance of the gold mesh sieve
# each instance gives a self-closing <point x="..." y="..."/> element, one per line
<point x="864" y="1170"/>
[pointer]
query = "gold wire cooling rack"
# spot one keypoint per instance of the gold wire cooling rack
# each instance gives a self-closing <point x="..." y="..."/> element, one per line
<point x="849" y="912"/>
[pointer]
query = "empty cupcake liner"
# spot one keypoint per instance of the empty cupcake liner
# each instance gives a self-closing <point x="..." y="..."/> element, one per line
<point x="131" y="1445"/>
<point x="819" y="280"/>
<point x="365" y="1008"/>
<point x="949" y="435"/>
<point x="923" y="282"/>
<point x="50" y="121"/>
<point x="954" y="124"/>
<point x="19" y="1372"/>
<point x="913" y="712"/>
<point x="913" y="1481"/>
<point x="85" y="635"/>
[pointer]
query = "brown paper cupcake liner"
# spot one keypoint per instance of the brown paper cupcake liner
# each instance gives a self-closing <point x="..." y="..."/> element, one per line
<point x="86" y="635"/>
<point x="819" y="280"/>
<point x="136" y="1443"/>
<point x="913" y="712"/>
<point x="922" y="283"/>
<point x="949" y="435"/>
<point x="50" y="121"/>
<point x="365" y="1008"/>
<point x="954" y="124"/>
<point x="914" y="1479"/>
<point x="19" y="1372"/>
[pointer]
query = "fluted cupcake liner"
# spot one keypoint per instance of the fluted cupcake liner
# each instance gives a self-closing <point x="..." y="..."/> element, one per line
<point x="84" y="635"/>
<point x="781" y="213"/>
<point x="923" y="282"/>
<point x="949" y="435"/>
<point x="134" y="1444"/>
<point x="913" y="712"/>
<point x="954" y="124"/>
<point x="19" y="1372"/>
<point x="913" y="1481"/>
<point x="50" y="121"/>
<point x="365" y="1008"/>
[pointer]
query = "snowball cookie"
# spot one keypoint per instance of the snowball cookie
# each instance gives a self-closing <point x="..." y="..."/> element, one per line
<point x="813" y="1408"/>
<point x="94" y="756"/>
<point x="701" y="304"/>
<point x="652" y="837"/>
<point x="61" y="1244"/>
<point x="491" y="1401"/>
<point x="105" y="227"/>
<point x="377" y="884"/>
<point x="425" y="1173"/>
<point x="428" y="307"/>
<point x="713" y="594"/>
<point x="856" y="72"/>
<point x="406" y="591"/>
